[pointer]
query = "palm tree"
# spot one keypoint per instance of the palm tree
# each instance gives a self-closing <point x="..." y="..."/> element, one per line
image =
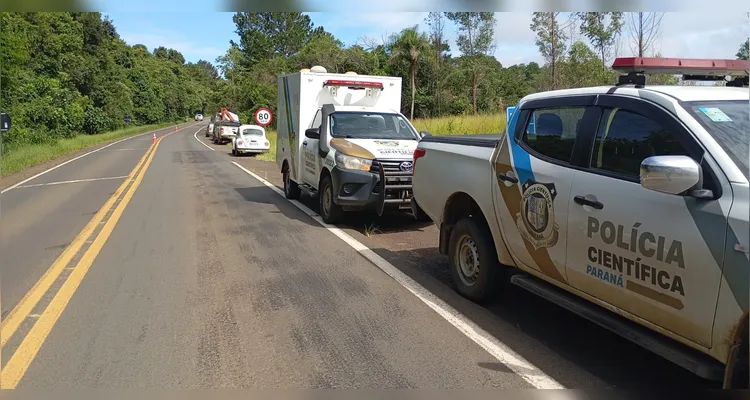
<point x="406" y="47"/>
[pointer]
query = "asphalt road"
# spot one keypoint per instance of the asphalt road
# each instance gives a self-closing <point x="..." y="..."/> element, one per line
<point x="197" y="275"/>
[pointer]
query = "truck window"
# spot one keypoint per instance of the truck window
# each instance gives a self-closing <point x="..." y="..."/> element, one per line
<point x="317" y="120"/>
<point x="551" y="132"/>
<point x="624" y="139"/>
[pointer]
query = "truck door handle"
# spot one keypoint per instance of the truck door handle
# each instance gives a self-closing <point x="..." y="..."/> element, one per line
<point x="586" y="202"/>
<point x="506" y="178"/>
<point x="304" y="143"/>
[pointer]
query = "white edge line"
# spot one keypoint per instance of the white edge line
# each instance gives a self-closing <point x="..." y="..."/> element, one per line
<point x="484" y="339"/>
<point x="84" y="155"/>
<point x="72" y="181"/>
<point x="195" y="135"/>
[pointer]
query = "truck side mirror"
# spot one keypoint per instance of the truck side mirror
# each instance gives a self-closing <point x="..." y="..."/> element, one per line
<point x="312" y="133"/>
<point x="5" y="122"/>
<point x="670" y="174"/>
<point x="424" y="133"/>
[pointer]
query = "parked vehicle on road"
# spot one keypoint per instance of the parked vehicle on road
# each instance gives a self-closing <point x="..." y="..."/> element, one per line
<point x="356" y="150"/>
<point x="225" y="131"/>
<point x="625" y="204"/>
<point x="199" y="117"/>
<point x="251" y="139"/>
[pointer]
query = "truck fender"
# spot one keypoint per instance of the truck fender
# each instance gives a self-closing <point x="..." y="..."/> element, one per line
<point x="460" y="205"/>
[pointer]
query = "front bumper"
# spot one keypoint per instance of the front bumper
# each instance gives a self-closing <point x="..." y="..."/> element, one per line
<point x="360" y="189"/>
<point x="252" y="149"/>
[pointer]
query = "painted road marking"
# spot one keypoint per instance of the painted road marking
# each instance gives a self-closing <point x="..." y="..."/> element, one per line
<point x="84" y="155"/>
<point x="18" y="314"/>
<point x="484" y="339"/>
<point x="72" y="181"/>
<point x="18" y="364"/>
<point x="195" y="135"/>
<point x="14" y="319"/>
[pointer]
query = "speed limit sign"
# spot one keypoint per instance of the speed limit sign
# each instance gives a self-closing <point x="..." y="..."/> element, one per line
<point x="263" y="117"/>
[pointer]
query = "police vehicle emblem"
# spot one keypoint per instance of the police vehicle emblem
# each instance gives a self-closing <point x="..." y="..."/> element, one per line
<point x="536" y="221"/>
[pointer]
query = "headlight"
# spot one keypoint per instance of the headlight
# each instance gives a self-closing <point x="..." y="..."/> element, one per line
<point x="349" y="162"/>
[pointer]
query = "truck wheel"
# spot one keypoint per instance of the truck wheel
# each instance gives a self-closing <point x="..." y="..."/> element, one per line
<point x="291" y="189"/>
<point x="475" y="269"/>
<point x="329" y="211"/>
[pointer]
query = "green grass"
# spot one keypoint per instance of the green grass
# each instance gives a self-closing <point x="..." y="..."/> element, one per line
<point x="451" y="125"/>
<point x="464" y="124"/>
<point x="20" y="158"/>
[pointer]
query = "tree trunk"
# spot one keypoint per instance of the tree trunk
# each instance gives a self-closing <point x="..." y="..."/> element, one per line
<point x="474" y="89"/>
<point x="413" y="89"/>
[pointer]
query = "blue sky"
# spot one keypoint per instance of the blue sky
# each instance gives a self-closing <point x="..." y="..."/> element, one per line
<point x="200" y="32"/>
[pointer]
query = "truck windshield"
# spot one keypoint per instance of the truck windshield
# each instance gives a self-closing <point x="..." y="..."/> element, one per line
<point x="729" y="124"/>
<point x="371" y="125"/>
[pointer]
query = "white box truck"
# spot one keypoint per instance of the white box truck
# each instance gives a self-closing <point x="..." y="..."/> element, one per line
<point x="341" y="138"/>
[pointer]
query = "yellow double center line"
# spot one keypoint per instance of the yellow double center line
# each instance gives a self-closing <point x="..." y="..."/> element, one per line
<point x="16" y="367"/>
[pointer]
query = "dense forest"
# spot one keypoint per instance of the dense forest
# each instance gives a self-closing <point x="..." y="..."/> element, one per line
<point x="64" y="74"/>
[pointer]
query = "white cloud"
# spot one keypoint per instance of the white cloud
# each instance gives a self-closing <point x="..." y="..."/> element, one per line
<point x="190" y="50"/>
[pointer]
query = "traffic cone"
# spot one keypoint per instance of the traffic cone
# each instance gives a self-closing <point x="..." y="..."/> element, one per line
<point x="154" y="139"/>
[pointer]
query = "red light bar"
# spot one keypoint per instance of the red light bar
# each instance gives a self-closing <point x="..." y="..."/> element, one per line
<point x="363" y="84"/>
<point x="682" y="66"/>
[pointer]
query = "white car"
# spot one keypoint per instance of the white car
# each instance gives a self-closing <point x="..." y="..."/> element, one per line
<point x="209" y="129"/>
<point x="199" y="117"/>
<point x="251" y="139"/>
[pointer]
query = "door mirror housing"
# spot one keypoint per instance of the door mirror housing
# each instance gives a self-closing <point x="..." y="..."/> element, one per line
<point x="424" y="133"/>
<point x="312" y="133"/>
<point x="671" y="174"/>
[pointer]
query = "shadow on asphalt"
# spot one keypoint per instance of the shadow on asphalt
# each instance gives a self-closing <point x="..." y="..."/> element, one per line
<point x="517" y="315"/>
<point x="261" y="194"/>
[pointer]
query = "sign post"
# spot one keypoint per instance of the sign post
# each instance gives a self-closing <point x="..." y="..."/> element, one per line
<point x="263" y="117"/>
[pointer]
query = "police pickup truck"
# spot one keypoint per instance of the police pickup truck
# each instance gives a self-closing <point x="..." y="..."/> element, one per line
<point x="625" y="204"/>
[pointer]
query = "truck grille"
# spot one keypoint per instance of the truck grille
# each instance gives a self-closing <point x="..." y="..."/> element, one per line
<point x="397" y="180"/>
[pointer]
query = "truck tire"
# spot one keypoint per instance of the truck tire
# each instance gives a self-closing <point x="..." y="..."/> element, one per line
<point x="475" y="269"/>
<point x="329" y="210"/>
<point x="291" y="189"/>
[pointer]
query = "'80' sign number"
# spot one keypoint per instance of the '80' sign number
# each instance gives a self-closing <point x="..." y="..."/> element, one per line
<point x="263" y="117"/>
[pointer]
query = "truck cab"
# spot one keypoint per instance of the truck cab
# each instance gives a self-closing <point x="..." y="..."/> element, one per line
<point x="341" y="138"/>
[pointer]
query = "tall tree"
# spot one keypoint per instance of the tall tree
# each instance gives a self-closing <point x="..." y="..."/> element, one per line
<point x="644" y="29"/>
<point x="550" y="38"/>
<point x="602" y="29"/>
<point x="476" y="31"/>
<point x="744" y="51"/>
<point x="407" y="47"/>
<point x="265" y="34"/>
<point x="436" y="22"/>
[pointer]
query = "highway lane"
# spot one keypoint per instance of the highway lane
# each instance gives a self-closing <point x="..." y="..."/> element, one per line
<point x="42" y="216"/>
<point x="210" y="279"/>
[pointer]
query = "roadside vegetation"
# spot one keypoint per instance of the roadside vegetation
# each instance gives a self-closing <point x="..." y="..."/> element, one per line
<point x="69" y="81"/>
<point x="70" y="75"/>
